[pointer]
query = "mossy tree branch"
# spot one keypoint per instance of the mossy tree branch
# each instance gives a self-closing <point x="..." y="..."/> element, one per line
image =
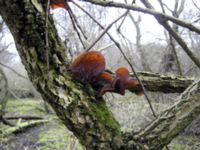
<point x="163" y="83"/>
<point x="171" y="121"/>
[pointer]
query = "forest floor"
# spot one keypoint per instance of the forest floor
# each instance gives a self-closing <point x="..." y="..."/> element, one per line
<point x="48" y="133"/>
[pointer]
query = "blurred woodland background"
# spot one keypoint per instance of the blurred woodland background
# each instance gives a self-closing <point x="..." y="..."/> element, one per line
<point x="29" y="123"/>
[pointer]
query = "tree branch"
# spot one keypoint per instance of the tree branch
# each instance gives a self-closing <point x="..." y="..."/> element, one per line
<point x="163" y="83"/>
<point x="171" y="121"/>
<point x="161" y="18"/>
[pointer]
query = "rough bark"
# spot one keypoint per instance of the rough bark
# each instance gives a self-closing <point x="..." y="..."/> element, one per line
<point x="171" y="121"/>
<point x="79" y="107"/>
<point x="167" y="83"/>
<point x="83" y="112"/>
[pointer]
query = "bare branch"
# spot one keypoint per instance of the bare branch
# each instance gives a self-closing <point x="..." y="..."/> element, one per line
<point x="23" y="117"/>
<point x="162" y="6"/>
<point x="101" y="26"/>
<point x="133" y="7"/>
<point x="181" y="42"/>
<point x="46" y="35"/>
<point x="176" y="56"/>
<point x="105" y="31"/>
<point x="176" y="13"/>
<point x="75" y="28"/>
<point x="76" y="22"/>
<point x="195" y="4"/>
<point x="164" y="83"/>
<point x="5" y="48"/>
<point x="141" y="83"/>
<point x="8" y="67"/>
<point x="172" y="120"/>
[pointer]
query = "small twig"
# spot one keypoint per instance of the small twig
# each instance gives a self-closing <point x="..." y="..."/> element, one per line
<point x="105" y="31"/>
<point x="127" y="12"/>
<point x="76" y="21"/>
<point x="143" y="88"/>
<point x="133" y="70"/>
<point x="101" y="26"/>
<point x="75" y="24"/>
<point x="87" y="13"/>
<point x="195" y="4"/>
<point x="46" y="35"/>
<point x="125" y="41"/>
<point x="171" y="41"/>
<point x="5" y="48"/>
<point x="105" y="47"/>
<point x="20" y="75"/>
<point x="123" y="20"/>
<point x="162" y="6"/>
<point x="23" y="126"/>
<point x="23" y="117"/>
<point x="178" y="64"/>
<point x="4" y="121"/>
<point x="13" y="94"/>
<point x="75" y="28"/>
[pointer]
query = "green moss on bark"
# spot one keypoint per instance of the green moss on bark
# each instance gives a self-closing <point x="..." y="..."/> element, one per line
<point x="100" y="110"/>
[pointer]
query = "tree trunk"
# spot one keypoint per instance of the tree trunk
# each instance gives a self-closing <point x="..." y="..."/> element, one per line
<point x="80" y="108"/>
<point x="83" y="112"/>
